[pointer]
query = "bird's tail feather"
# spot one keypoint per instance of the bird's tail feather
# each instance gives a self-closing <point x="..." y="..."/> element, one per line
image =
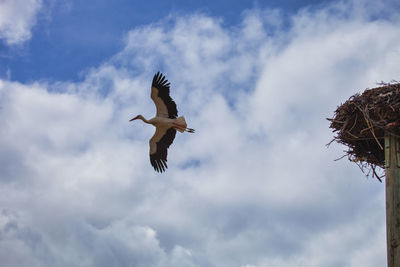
<point x="182" y="123"/>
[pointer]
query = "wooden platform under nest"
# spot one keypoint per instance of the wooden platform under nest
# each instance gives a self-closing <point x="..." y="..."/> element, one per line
<point x="361" y="122"/>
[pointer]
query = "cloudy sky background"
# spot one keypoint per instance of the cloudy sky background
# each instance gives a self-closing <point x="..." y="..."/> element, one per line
<point x="255" y="186"/>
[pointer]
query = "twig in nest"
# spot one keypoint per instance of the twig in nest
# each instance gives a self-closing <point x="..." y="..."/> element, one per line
<point x="354" y="136"/>
<point x="333" y="120"/>
<point x="354" y="124"/>
<point x="340" y="158"/>
<point x="376" y="175"/>
<point x="373" y="133"/>
<point x="328" y="144"/>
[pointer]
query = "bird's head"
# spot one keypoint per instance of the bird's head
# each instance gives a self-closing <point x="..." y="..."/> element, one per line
<point x="137" y="117"/>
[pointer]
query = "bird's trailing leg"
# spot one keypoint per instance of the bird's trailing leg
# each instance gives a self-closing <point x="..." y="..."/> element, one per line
<point x="182" y="128"/>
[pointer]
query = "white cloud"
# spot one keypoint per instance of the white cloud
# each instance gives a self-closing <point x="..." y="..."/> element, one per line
<point x="17" y="17"/>
<point x="255" y="186"/>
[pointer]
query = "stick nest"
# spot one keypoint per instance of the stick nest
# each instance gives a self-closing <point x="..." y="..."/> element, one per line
<point x="361" y="122"/>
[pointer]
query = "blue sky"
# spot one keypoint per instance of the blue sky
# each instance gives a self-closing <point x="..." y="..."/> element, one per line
<point x="255" y="186"/>
<point x="82" y="34"/>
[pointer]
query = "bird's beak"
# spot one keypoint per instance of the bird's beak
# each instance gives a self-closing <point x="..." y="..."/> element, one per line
<point x="133" y="119"/>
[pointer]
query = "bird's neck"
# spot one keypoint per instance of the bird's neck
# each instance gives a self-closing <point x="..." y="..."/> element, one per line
<point x="144" y="119"/>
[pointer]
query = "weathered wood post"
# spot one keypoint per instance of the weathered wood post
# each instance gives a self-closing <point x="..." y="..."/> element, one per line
<point x="392" y="167"/>
<point x="369" y="125"/>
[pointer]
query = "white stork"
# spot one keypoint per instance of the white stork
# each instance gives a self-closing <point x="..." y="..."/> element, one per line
<point x="165" y="121"/>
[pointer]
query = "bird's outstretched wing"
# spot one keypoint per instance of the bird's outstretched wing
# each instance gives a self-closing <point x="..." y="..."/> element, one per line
<point x="166" y="107"/>
<point x="159" y="145"/>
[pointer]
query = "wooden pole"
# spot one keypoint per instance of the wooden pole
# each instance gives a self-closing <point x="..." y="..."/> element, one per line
<point x="392" y="168"/>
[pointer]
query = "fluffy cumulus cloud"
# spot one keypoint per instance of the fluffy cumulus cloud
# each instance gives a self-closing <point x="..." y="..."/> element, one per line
<point x="17" y="17"/>
<point x="255" y="186"/>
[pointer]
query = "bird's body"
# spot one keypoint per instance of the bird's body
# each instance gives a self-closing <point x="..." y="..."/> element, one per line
<point x="166" y="122"/>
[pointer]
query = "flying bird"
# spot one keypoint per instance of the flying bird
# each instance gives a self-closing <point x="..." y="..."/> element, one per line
<point x="166" y="122"/>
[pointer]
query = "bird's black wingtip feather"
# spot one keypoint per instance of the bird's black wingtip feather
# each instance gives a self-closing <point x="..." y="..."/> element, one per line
<point x="159" y="80"/>
<point x="159" y="165"/>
